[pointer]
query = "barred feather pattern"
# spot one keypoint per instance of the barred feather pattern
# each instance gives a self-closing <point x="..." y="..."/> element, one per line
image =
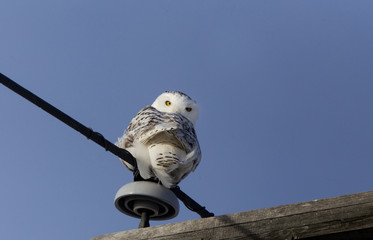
<point x="152" y="128"/>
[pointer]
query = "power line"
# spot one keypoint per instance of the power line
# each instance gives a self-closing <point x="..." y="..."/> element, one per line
<point x="97" y="138"/>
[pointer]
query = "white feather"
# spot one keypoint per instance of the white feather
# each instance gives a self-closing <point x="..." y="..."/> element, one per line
<point x="162" y="139"/>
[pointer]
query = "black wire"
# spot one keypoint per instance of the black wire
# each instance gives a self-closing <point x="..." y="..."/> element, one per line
<point x="96" y="137"/>
<point x="88" y="132"/>
<point x="190" y="203"/>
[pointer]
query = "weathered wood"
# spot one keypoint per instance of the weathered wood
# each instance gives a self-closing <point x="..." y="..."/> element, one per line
<point x="345" y="217"/>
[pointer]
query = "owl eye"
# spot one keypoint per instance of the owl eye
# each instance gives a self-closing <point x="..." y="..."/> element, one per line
<point x="168" y="103"/>
<point x="188" y="109"/>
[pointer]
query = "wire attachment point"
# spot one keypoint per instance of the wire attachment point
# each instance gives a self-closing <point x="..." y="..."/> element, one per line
<point x="96" y="137"/>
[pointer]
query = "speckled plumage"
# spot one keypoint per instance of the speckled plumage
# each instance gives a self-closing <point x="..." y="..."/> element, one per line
<point x="164" y="143"/>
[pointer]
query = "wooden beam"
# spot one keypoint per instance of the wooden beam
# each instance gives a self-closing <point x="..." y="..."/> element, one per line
<point x="344" y="217"/>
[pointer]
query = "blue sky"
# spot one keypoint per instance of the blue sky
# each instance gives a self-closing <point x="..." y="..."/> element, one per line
<point x="284" y="88"/>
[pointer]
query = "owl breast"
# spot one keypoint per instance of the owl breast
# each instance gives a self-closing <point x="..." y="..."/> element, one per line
<point x="165" y="145"/>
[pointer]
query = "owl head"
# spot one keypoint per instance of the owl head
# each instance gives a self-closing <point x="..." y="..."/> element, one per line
<point x="177" y="102"/>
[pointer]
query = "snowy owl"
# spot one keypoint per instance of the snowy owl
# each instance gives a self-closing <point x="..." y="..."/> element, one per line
<point x="162" y="139"/>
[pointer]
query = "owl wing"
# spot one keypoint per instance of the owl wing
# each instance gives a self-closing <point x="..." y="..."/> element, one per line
<point x="152" y="126"/>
